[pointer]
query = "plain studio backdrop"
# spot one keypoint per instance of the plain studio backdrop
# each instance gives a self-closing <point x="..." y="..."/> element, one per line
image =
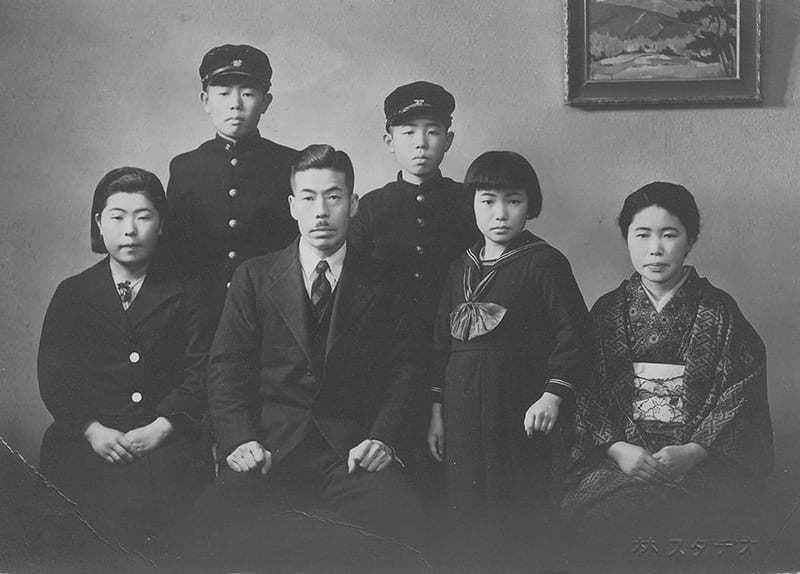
<point x="92" y="85"/>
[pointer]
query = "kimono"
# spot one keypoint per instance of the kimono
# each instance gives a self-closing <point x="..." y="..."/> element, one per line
<point x="693" y="372"/>
<point x="505" y="334"/>
<point x="125" y="368"/>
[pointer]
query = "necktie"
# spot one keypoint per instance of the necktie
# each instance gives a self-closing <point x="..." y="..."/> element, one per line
<point x="320" y="290"/>
<point x="125" y="291"/>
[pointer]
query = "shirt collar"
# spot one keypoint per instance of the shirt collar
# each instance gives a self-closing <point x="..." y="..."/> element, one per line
<point x="308" y="261"/>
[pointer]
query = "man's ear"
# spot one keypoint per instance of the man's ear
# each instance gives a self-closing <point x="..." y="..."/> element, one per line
<point x="266" y="103"/>
<point x="353" y="204"/>
<point x="388" y="141"/>
<point x="450" y="136"/>
<point x="290" y="199"/>
<point x="204" y="99"/>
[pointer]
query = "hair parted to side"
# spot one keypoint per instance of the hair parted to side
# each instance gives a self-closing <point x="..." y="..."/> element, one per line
<point x="672" y="197"/>
<point x="505" y="170"/>
<point x="125" y="180"/>
<point x="324" y="156"/>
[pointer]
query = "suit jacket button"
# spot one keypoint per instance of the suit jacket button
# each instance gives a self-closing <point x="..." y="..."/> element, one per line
<point x="233" y="192"/>
<point x="134" y="357"/>
<point x="234" y="162"/>
<point x="420" y="198"/>
<point x="420" y="249"/>
<point x="228" y="285"/>
<point x="420" y="222"/>
<point x="417" y="275"/>
<point x="136" y="397"/>
<point x="233" y="223"/>
<point x="232" y="255"/>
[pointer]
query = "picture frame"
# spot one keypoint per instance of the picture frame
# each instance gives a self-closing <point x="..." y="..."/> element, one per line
<point x="663" y="53"/>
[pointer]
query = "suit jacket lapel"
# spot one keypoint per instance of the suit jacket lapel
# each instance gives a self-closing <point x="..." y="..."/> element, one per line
<point x="101" y="294"/>
<point x="156" y="290"/>
<point x="353" y="295"/>
<point x="287" y="291"/>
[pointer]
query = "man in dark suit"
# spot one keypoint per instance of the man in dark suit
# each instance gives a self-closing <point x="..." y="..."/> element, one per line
<point x="313" y="371"/>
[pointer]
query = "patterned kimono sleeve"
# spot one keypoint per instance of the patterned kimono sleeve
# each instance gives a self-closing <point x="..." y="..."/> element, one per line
<point x="734" y="420"/>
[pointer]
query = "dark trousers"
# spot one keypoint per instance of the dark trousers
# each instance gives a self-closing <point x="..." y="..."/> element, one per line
<point x="309" y="514"/>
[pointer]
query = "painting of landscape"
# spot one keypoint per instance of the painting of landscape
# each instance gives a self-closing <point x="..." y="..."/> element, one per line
<point x="651" y="40"/>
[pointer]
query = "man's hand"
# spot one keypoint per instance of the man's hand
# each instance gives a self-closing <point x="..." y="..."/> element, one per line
<point x="637" y="462"/>
<point x="248" y="456"/>
<point x="680" y="459"/>
<point x="149" y="437"/>
<point x="108" y="443"/>
<point x="436" y="432"/>
<point x="543" y="414"/>
<point x="371" y="455"/>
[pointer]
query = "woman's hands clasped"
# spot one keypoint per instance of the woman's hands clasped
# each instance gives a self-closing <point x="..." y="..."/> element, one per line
<point x="666" y="465"/>
<point x="117" y="447"/>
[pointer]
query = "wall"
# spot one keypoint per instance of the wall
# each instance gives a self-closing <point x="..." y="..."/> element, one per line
<point x="88" y="85"/>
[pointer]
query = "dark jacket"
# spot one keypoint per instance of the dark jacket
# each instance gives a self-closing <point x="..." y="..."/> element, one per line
<point x="416" y="231"/>
<point x="228" y="202"/>
<point x="264" y="384"/>
<point x="96" y="359"/>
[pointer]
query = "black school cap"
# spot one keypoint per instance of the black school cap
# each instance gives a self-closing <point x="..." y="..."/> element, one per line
<point x="419" y="100"/>
<point x="241" y="60"/>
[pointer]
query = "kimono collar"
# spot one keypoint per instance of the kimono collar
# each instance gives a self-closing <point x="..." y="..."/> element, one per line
<point x="474" y="317"/>
<point x="637" y="285"/>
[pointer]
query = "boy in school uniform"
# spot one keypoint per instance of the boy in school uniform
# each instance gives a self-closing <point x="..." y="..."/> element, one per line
<point x="419" y="223"/>
<point x="228" y="197"/>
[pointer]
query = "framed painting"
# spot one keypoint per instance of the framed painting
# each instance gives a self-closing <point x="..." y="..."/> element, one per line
<point x="633" y="53"/>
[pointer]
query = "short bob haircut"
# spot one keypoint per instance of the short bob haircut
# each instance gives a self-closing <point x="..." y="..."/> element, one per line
<point x="324" y="156"/>
<point x="672" y="197"/>
<point x="505" y="170"/>
<point x="125" y="180"/>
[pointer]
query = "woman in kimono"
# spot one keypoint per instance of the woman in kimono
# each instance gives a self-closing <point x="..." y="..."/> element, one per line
<point x="122" y="362"/>
<point x="513" y="347"/>
<point x="677" y="428"/>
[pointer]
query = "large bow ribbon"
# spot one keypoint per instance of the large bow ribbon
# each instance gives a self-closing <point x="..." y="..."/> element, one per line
<point x="474" y="317"/>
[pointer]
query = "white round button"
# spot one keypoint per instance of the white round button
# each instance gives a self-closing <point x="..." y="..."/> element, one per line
<point x="228" y="285"/>
<point x="234" y="162"/>
<point x="136" y="397"/>
<point x="134" y="357"/>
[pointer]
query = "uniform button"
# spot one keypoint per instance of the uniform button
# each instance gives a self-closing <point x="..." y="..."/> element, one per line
<point x="420" y="249"/>
<point x="233" y="192"/>
<point x="420" y="198"/>
<point x="232" y="254"/>
<point x="136" y="397"/>
<point x="417" y="275"/>
<point x="420" y="222"/>
<point x="233" y="223"/>
<point x="134" y="357"/>
<point x="228" y="285"/>
<point x="234" y="162"/>
<point x="227" y="147"/>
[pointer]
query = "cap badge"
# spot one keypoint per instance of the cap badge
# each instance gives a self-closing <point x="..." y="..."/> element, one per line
<point x="236" y="63"/>
<point x="419" y="102"/>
